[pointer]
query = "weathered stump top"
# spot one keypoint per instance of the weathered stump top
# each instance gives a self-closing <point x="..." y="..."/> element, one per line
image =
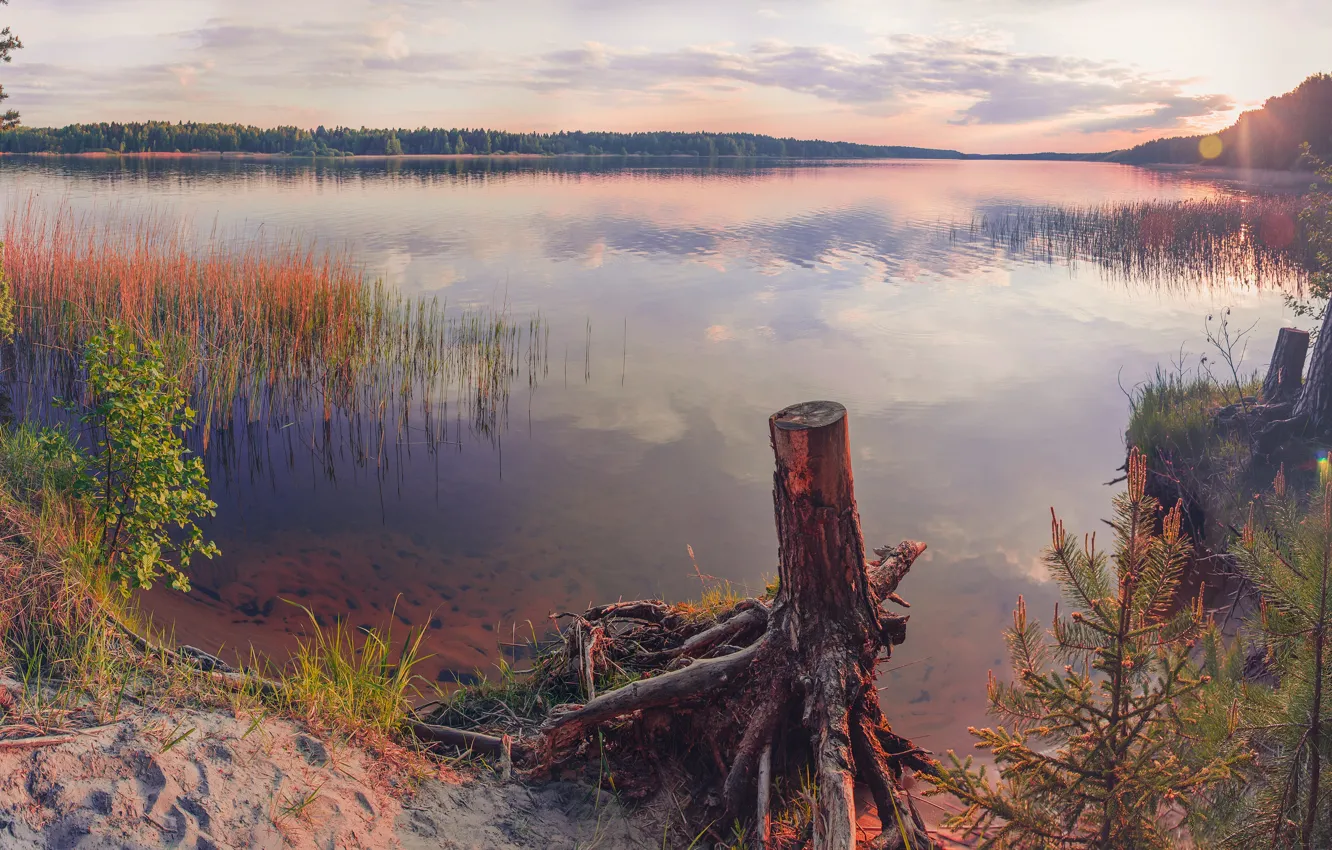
<point x="808" y="414"/>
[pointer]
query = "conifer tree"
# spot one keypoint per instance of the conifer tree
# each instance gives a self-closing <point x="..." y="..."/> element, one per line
<point x="1089" y="754"/>
<point x="1286" y="552"/>
<point x="8" y="44"/>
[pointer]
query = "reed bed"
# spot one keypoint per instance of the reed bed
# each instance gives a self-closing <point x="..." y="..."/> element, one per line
<point x="260" y="332"/>
<point x="1227" y="239"/>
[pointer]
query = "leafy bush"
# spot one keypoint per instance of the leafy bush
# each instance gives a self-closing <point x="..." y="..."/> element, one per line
<point x="1090" y="756"/>
<point x="147" y="489"/>
<point x="1316" y="220"/>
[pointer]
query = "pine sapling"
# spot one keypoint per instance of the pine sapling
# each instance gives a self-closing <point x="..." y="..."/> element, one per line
<point x="1089" y="751"/>
<point x="1285" y="551"/>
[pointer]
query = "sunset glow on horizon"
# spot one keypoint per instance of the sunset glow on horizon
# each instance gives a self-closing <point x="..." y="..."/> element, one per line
<point x="984" y="77"/>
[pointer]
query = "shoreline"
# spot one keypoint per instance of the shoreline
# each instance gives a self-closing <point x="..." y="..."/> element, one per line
<point x="213" y="776"/>
<point x="1229" y="175"/>
<point x="378" y="157"/>
<point x="1236" y="175"/>
<point x="370" y="156"/>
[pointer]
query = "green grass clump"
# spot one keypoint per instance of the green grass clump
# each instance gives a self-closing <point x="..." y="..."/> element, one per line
<point x="717" y="597"/>
<point x="338" y="681"/>
<point x="1174" y="413"/>
<point x="39" y="463"/>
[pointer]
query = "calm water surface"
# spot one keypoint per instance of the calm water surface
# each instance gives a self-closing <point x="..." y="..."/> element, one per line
<point x="684" y="305"/>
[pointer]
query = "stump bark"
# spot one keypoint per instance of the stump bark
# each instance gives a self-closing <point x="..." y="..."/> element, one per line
<point x="833" y="626"/>
<point x="1285" y="372"/>
<point x="1314" y="407"/>
<point x="791" y="686"/>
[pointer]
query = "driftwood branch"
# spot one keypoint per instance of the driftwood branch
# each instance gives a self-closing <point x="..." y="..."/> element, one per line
<point x="671" y="688"/>
<point x="501" y="745"/>
<point x="748" y="622"/>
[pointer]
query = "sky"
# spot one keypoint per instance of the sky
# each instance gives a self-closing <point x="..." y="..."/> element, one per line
<point x="983" y="76"/>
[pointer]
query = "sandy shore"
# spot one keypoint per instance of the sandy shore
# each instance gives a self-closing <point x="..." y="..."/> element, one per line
<point x="203" y="779"/>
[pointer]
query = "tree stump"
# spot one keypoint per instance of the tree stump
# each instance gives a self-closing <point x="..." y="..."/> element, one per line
<point x="1314" y="407"/>
<point x="798" y="692"/>
<point x="833" y="625"/>
<point x="1286" y="370"/>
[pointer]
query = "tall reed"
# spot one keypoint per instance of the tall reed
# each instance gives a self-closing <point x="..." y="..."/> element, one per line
<point x="1252" y="239"/>
<point x="260" y="332"/>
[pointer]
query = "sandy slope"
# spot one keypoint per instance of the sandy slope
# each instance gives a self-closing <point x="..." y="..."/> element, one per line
<point x="227" y="785"/>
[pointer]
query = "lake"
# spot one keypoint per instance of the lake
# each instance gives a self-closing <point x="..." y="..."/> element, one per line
<point x="679" y="306"/>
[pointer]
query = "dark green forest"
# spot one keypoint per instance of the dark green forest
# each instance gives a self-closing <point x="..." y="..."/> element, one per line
<point x="166" y="137"/>
<point x="1270" y="137"/>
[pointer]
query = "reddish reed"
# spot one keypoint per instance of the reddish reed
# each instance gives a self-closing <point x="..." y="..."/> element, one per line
<point x="1233" y="238"/>
<point x="262" y="330"/>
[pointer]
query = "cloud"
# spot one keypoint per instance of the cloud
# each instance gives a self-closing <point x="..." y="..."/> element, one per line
<point x="237" y="70"/>
<point x="1167" y="111"/>
<point x="383" y="51"/>
<point x="422" y="63"/>
<point x="185" y="74"/>
<point x="1003" y="87"/>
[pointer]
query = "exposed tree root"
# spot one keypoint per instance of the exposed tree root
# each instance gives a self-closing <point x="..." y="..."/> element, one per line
<point x="736" y="712"/>
<point x="768" y="705"/>
<point x="786" y="702"/>
<point x="569" y="723"/>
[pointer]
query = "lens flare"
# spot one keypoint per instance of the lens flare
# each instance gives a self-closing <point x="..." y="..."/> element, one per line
<point x="1210" y="147"/>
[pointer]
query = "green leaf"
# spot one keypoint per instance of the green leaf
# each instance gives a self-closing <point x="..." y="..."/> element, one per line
<point x="147" y="484"/>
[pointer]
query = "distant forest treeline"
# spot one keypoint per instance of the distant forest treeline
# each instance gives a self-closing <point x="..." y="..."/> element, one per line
<point x="1269" y="137"/>
<point x="165" y="137"/>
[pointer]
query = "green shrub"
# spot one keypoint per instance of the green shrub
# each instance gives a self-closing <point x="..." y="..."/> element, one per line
<point x="1316" y="222"/>
<point x="147" y="490"/>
